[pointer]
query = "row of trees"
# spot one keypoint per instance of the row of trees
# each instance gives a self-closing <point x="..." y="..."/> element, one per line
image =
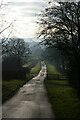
<point x="60" y="28"/>
<point x="15" y="47"/>
<point x="15" y="52"/>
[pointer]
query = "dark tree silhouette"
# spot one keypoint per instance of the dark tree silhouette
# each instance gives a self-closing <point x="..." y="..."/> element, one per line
<point x="15" y="51"/>
<point x="16" y="47"/>
<point x="60" y="28"/>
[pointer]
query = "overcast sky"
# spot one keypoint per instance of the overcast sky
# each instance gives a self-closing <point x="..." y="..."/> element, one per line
<point x="25" y="12"/>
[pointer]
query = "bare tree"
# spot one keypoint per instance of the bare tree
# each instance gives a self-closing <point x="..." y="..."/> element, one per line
<point x="4" y="23"/>
<point x="16" y="47"/>
<point x="60" y="28"/>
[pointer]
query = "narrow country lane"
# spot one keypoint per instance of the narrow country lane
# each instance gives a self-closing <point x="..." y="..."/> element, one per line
<point x="31" y="101"/>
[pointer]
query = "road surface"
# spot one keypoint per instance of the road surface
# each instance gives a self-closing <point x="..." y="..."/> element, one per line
<point x="31" y="100"/>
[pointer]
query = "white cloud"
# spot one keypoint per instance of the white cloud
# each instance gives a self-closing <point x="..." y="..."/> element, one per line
<point x="25" y="12"/>
<point x="27" y="1"/>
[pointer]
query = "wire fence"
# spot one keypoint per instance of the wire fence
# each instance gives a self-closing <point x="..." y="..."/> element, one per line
<point x="56" y="77"/>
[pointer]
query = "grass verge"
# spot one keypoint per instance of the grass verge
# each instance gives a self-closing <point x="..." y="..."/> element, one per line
<point x="51" y="69"/>
<point x="10" y="87"/>
<point x="63" y="98"/>
<point x="35" y="69"/>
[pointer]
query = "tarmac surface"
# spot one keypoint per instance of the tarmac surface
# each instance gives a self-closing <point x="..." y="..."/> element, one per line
<point x="31" y="101"/>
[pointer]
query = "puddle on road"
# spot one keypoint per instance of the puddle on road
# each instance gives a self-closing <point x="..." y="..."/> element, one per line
<point x="29" y="85"/>
<point x="29" y="97"/>
<point x="39" y="82"/>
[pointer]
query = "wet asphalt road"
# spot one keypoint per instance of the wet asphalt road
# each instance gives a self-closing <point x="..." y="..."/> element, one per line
<point x="31" y="101"/>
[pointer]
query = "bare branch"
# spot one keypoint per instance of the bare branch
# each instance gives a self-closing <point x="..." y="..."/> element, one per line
<point x="6" y="27"/>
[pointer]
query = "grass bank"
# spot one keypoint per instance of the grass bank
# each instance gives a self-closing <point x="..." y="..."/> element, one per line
<point x="10" y="87"/>
<point x="63" y="97"/>
<point x="51" y="69"/>
<point x="36" y="69"/>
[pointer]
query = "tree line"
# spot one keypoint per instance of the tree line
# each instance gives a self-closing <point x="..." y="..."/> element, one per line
<point x="60" y="29"/>
<point x="15" y="53"/>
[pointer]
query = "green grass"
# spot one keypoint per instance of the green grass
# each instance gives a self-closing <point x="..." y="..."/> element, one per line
<point x="10" y="87"/>
<point x="35" y="69"/>
<point x="51" y="69"/>
<point x="56" y="82"/>
<point x="63" y="98"/>
<point x="26" y="65"/>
